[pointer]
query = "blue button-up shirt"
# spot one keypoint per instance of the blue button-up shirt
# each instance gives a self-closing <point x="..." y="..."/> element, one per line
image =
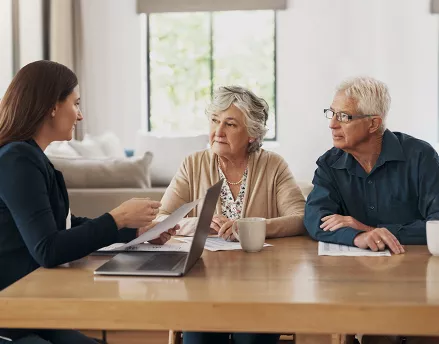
<point x="400" y="193"/>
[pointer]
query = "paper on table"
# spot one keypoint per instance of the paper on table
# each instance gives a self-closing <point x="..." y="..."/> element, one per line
<point x="218" y="244"/>
<point x="163" y="226"/>
<point x="327" y="249"/>
<point x="168" y="247"/>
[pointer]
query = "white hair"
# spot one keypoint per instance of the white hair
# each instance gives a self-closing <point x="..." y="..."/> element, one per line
<point x="372" y="96"/>
<point x="255" y="111"/>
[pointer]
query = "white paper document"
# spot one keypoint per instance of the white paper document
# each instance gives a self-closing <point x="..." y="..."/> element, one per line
<point x="218" y="244"/>
<point x="327" y="249"/>
<point x="168" y="247"/>
<point x="163" y="226"/>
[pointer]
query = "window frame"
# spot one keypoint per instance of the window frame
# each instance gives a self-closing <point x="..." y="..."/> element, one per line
<point x="211" y="66"/>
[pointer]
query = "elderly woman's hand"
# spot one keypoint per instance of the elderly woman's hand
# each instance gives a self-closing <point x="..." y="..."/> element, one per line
<point x="225" y="231"/>
<point x="217" y="222"/>
<point x="163" y="238"/>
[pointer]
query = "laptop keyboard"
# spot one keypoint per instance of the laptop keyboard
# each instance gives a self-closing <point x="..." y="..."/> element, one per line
<point x="163" y="262"/>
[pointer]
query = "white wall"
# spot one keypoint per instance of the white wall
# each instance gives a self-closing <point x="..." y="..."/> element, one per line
<point x="6" y="45"/>
<point x="31" y="31"/>
<point x="112" y="60"/>
<point x="322" y="42"/>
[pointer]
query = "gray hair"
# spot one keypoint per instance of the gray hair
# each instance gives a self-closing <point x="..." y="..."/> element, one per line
<point x="255" y="111"/>
<point x="372" y="96"/>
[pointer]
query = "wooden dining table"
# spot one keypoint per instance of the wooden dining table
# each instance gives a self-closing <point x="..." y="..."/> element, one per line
<point x="285" y="288"/>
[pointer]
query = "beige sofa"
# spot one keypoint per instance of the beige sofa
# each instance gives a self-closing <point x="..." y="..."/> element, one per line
<point x="95" y="202"/>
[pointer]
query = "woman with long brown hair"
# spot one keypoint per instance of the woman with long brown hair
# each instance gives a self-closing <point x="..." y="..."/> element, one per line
<point x="40" y="106"/>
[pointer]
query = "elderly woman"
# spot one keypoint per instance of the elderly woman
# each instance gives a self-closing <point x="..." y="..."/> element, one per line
<point x="257" y="183"/>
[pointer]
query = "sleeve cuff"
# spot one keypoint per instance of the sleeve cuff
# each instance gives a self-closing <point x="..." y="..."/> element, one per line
<point x="106" y="221"/>
<point x="348" y="235"/>
<point x="127" y="234"/>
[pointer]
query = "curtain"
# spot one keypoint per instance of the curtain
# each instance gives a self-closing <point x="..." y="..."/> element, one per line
<point x="66" y="46"/>
<point x="153" y="6"/>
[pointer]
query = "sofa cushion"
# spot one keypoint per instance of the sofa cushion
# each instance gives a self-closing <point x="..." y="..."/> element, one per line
<point x="109" y="143"/>
<point x="169" y="152"/>
<point x="82" y="172"/>
<point x="61" y="148"/>
<point x="88" y="148"/>
<point x="95" y="202"/>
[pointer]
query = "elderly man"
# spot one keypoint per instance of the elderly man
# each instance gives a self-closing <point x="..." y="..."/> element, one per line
<point x="375" y="188"/>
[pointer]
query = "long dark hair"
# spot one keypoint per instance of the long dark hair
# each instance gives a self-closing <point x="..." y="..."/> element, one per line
<point x="31" y="96"/>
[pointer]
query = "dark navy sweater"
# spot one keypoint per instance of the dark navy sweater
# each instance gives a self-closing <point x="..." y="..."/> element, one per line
<point x="34" y="205"/>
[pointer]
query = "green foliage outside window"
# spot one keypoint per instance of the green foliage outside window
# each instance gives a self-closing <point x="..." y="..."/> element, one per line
<point x="192" y="53"/>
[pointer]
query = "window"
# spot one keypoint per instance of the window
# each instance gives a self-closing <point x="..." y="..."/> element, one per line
<point x="22" y="25"/>
<point x="191" y="54"/>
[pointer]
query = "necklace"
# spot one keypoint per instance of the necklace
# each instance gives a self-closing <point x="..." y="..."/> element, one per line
<point x="230" y="183"/>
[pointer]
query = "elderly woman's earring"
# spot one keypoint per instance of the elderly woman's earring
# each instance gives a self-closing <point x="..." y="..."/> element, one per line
<point x="250" y="141"/>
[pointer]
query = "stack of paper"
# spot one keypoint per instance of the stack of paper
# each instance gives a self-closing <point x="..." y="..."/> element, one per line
<point x="168" y="247"/>
<point x="218" y="244"/>
<point x="327" y="249"/>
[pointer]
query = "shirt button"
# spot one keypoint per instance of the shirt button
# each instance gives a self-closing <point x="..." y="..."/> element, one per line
<point x="369" y="182"/>
<point x="371" y="207"/>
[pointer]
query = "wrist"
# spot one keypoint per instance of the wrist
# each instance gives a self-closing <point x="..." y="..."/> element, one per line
<point x="367" y="228"/>
<point x="359" y="238"/>
<point x="119" y="218"/>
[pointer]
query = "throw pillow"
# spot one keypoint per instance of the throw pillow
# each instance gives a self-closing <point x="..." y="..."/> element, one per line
<point x="169" y="152"/>
<point x="88" y="148"/>
<point x="109" y="143"/>
<point x="82" y="172"/>
<point x="61" y="148"/>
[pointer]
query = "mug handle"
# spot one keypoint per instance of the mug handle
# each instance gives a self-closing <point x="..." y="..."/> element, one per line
<point x="235" y="233"/>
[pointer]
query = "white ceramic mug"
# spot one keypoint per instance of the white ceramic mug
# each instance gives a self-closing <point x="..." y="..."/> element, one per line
<point x="433" y="237"/>
<point x="250" y="232"/>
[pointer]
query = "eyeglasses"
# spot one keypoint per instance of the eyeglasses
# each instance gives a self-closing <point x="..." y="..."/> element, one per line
<point x="343" y="117"/>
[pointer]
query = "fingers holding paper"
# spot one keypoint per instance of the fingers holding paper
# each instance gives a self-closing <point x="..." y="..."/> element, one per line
<point x="217" y="222"/>
<point x="165" y="236"/>
<point x="136" y="212"/>
<point x="225" y="231"/>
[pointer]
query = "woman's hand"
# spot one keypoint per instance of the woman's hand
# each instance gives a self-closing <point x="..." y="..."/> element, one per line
<point x="163" y="238"/>
<point x="217" y="222"/>
<point x="225" y="231"/>
<point x="135" y="213"/>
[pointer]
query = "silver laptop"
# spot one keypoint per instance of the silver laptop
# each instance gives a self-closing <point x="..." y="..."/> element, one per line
<point x="166" y="263"/>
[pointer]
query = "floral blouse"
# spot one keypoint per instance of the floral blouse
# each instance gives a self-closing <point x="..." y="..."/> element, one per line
<point x="231" y="208"/>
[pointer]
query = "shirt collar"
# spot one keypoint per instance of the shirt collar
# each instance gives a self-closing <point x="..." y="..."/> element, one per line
<point x="391" y="151"/>
<point x="33" y="143"/>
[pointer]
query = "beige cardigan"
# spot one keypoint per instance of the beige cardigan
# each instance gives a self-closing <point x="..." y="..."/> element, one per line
<point x="271" y="192"/>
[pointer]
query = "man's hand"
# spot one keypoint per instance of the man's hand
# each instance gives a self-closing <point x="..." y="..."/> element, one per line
<point x="377" y="240"/>
<point x="334" y="222"/>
